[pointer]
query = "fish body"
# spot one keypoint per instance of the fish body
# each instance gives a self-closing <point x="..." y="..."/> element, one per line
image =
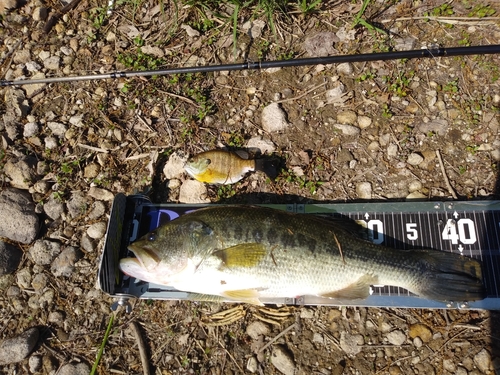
<point x="225" y="167"/>
<point x="246" y="253"/>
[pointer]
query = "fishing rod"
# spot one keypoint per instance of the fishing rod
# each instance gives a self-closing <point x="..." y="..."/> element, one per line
<point x="381" y="56"/>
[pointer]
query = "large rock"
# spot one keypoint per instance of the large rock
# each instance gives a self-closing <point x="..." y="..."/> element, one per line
<point x="19" y="220"/>
<point x="17" y="348"/>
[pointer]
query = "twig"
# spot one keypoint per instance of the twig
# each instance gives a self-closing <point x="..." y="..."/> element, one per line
<point x="282" y="333"/>
<point x="340" y="247"/>
<point x="103" y="344"/>
<point x="301" y="95"/>
<point x="142" y="348"/>
<point x="449" y="20"/>
<point x="92" y="148"/>
<point x="232" y="358"/>
<point x="443" y="171"/>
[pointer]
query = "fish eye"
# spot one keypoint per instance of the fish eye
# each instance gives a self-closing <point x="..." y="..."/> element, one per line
<point x="152" y="236"/>
<point x="208" y="161"/>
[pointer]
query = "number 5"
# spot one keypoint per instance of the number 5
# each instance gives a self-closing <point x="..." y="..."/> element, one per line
<point x="411" y="230"/>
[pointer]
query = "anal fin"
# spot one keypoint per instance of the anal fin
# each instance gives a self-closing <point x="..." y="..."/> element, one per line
<point x="360" y="289"/>
<point x="244" y="295"/>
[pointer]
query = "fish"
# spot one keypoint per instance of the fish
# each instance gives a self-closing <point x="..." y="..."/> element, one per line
<point x="249" y="253"/>
<point x="225" y="167"/>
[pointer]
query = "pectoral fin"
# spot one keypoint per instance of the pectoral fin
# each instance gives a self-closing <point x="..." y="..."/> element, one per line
<point x="244" y="295"/>
<point x="242" y="255"/>
<point x="360" y="289"/>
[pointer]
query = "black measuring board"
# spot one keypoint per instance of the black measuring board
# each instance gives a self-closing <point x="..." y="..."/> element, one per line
<point x="470" y="228"/>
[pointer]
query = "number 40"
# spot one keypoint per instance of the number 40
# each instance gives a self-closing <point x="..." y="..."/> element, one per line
<point x="456" y="230"/>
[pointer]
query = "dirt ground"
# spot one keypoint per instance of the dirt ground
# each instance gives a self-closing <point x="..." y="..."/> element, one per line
<point x="377" y="122"/>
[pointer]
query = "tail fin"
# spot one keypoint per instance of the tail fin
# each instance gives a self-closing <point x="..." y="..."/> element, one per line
<point x="268" y="166"/>
<point x="450" y="277"/>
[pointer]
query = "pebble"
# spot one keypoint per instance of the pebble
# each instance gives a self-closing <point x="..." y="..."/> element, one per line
<point x="404" y="44"/>
<point x="483" y="361"/>
<point x="87" y="243"/>
<point x="23" y="222"/>
<point x="415" y="159"/>
<point x="348" y="129"/>
<point x="335" y="94"/>
<point x="364" y="122"/>
<point x="392" y="150"/>
<point x="416" y="195"/>
<point x="420" y="330"/>
<point x="17" y="348"/>
<point x="101" y="194"/>
<point x="43" y="252"/>
<point x="347" y="117"/>
<point x="274" y="118"/>
<point x="56" y="317"/>
<point x="257" y="329"/>
<point x="449" y="365"/>
<point x="174" y="167"/>
<point x="414" y="186"/>
<point x="321" y="44"/>
<point x="53" y="208"/>
<point x="364" y="190"/>
<point x="192" y="191"/>
<point x="306" y="313"/>
<point x="35" y="363"/>
<point x="264" y="146"/>
<point x="281" y="359"/>
<point x="351" y="344"/>
<point x="91" y="170"/>
<point x="252" y="365"/>
<point x="64" y="264"/>
<point x="74" y="369"/>
<point x="345" y="68"/>
<point x="23" y="278"/>
<point x="395" y="370"/>
<point x="438" y="126"/>
<point x="30" y="129"/>
<point x="97" y="230"/>
<point x="50" y="143"/>
<point x="39" y="282"/>
<point x="10" y="257"/>
<point x="52" y="62"/>
<point x="396" y="338"/>
<point x="417" y="341"/>
<point x="21" y="171"/>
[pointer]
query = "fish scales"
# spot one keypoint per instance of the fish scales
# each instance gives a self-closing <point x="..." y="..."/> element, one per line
<point x="246" y="253"/>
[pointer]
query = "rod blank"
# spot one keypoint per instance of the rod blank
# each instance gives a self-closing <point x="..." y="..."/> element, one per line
<point x="421" y="53"/>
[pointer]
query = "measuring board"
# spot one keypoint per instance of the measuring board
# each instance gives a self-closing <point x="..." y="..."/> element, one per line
<point x="470" y="228"/>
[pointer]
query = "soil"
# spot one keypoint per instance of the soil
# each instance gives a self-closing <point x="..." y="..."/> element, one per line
<point x="120" y="133"/>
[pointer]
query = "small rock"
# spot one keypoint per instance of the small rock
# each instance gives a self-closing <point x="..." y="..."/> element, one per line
<point x="23" y="222"/>
<point x="190" y="31"/>
<point x="281" y="359"/>
<point x="97" y="230"/>
<point x="449" y="365"/>
<point x="438" y="126"/>
<point x="77" y="204"/>
<point x="415" y="159"/>
<point x="51" y="143"/>
<point x="321" y="44"/>
<point x="348" y="129"/>
<point x="396" y="338"/>
<point x="256" y="329"/>
<point x="461" y="371"/>
<point x="395" y="370"/>
<point x="347" y="117"/>
<point x="23" y="278"/>
<point x="42" y="186"/>
<point x="43" y="252"/>
<point x="87" y="243"/>
<point x="30" y="129"/>
<point x="306" y="313"/>
<point x="274" y="118"/>
<point x="364" y="190"/>
<point x="52" y="62"/>
<point x="35" y="363"/>
<point x="57" y="128"/>
<point x="351" y="344"/>
<point x="56" y="317"/>
<point x="416" y="195"/>
<point x="53" y="208"/>
<point x="414" y="186"/>
<point x="263" y="146"/>
<point x="21" y="171"/>
<point x="39" y="282"/>
<point x="392" y="150"/>
<point x="417" y="341"/>
<point x="97" y="210"/>
<point x="483" y="361"/>
<point x="91" y="170"/>
<point x="64" y="264"/>
<point x="10" y="257"/>
<point x="252" y="365"/>
<point x="74" y="369"/>
<point x="174" y="167"/>
<point x="420" y="330"/>
<point x="101" y="194"/>
<point x="364" y="122"/>
<point x="192" y="191"/>
<point x="15" y="349"/>
<point x="335" y="95"/>
<point x="255" y="29"/>
<point x="404" y="44"/>
<point x="345" y="68"/>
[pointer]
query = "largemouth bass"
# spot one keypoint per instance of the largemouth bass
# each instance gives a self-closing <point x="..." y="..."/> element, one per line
<point x="225" y="167"/>
<point x="246" y="253"/>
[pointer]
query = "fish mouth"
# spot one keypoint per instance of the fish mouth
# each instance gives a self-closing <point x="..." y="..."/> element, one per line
<point x="146" y="257"/>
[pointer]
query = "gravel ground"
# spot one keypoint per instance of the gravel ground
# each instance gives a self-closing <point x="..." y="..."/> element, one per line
<point x="343" y="133"/>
